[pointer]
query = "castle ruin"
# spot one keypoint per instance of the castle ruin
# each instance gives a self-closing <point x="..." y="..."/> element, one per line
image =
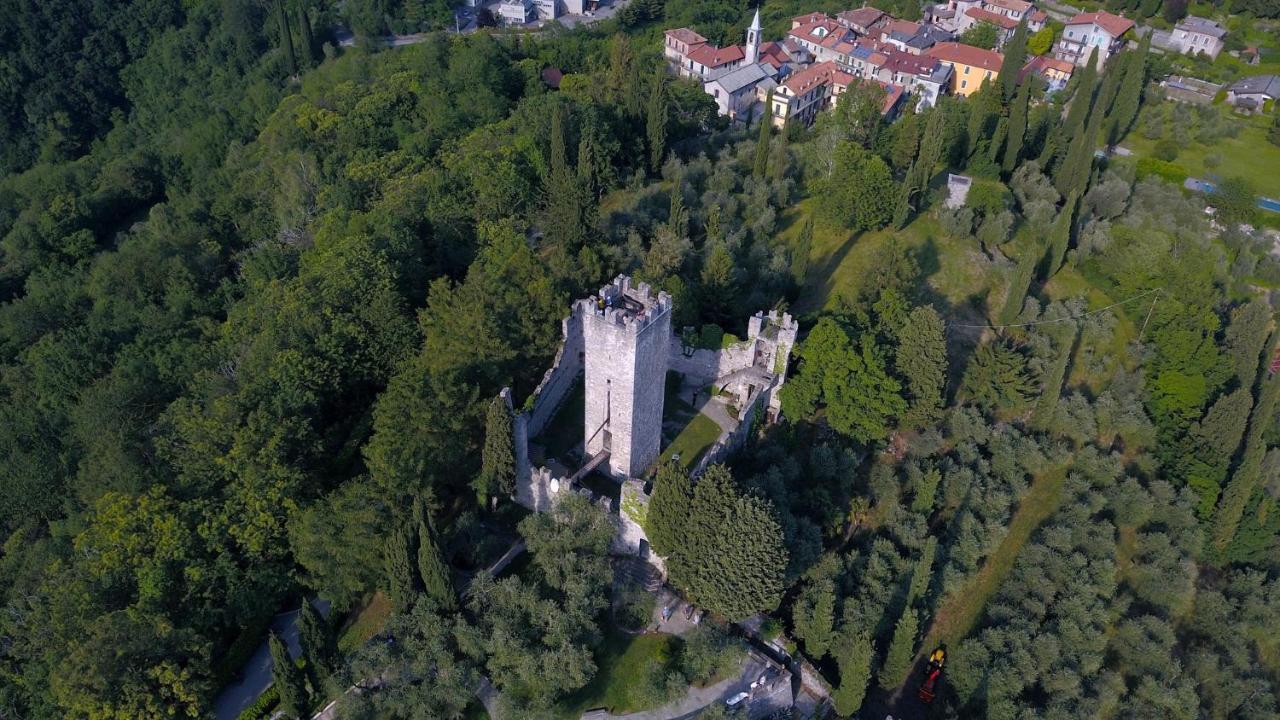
<point x="620" y="343"/>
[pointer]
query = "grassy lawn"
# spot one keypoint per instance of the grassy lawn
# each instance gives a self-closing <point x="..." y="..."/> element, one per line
<point x="365" y="622"/>
<point x="696" y="438"/>
<point x="841" y="263"/>
<point x="1246" y="155"/>
<point x="621" y="659"/>
<point x="960" y="612"/>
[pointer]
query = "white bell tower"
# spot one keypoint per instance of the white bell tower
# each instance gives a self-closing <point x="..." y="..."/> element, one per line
<point x="753" y="40"/>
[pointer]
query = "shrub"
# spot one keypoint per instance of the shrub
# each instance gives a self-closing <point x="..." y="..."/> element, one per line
<point x="1166" y="149"/>
<point x="262" y="707"/>
<point x="1167" y="171"/>
<point x="711" y="336"/>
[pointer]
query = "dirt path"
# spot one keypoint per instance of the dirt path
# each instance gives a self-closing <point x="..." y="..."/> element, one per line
<point x="961" y="610"/>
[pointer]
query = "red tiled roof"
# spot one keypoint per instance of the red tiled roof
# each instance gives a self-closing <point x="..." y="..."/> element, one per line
<point x="1113" y="24"/>
<point x="712" y="56"/>
<point x="686" y="36"/>
<point x="1043" y="63"/>
<point x="812" y="76"/>
<point x="809" y="19"/>
<point x="1038" y="16"/>
<point x="910" y="64"/>
<point x="1017" y="6"/>
<point x="862" y="17"/>
<point x="905" y="27"/>
<point x="552" y="77"/>
<point x="892" y="93"/>
<point x="962" y="54"/>
<point x="987" y="16"/>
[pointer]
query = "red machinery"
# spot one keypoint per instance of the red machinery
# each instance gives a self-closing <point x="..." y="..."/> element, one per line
<point x="932" y="672"/>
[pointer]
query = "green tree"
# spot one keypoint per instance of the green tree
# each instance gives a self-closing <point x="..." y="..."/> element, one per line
<point x="1235" y="200"/>
<point x="1129" y="98"/>
<point x="921" y="171"/>
<point x="1060" y="235"/>
<point x="1015" y="56"/>
<point x="1020" y="282"/>
<point x="1247" y="476"/>
<point x="1273" y="132"/>
<point x="761" y="167"/>
<point x="668" y="514"/>
<point x="921" y="361"/>
<point x="319" y="643"/>
<point x="854" y="657"/>
<point x="901" y="651"/>
<point x="563" y="197"/>
<point x="923" y="570"/>
<point x="1244" y="338"/>
<point x="437" y="580"/>
<point x="401" y="573"/>
<point x="730" y="557"/>
<point x="997" y="377"/>
<point x="289" y="682"/>
<point x="286" y="37"/>
<point x="983" y="35"/>
<point x="801" y="251"/>
<point x="1041" y="42"/>
<point x="813" y="616"/>
<point x="849" y="381"/>
<point x="858" y="192"/>
<point x="656" y="122"/>
<point x="1062" y="137"/>
<point x="1017" y="131"/>
<point x="1215" y="438"/>
<point x="306" y="39"/>
<point x="497" y="460"/>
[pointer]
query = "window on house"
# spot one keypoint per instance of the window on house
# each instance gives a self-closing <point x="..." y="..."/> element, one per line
<point x="964" y="84"/>
<point x="966" y="69"/>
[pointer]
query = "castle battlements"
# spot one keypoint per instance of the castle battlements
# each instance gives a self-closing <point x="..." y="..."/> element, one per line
<point x="627" y="306"/>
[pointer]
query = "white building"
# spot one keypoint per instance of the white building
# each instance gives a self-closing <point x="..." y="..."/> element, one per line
<point x="1087" y="31"/>
<point x="1196" y="35"/>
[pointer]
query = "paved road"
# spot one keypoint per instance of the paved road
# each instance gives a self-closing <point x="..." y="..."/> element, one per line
<point x="256" y="675"/>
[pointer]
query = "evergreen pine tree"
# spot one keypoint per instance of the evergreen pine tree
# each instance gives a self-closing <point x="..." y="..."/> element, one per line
<point x="286" y="37"/>
<point x="563" y="197"/>
<point x="854" y="657"/>
<point x="920" y="359"/>
<point x="319" y="645"/>
<point x="306" y="38"/>
<point x="437" y="582"/>
<point x="921" y="170"/>
<point x="1130" y="96"/>
<point x="289" y="681"/>
<point x="402" y="576"/>
<point x="923" y="570"/>
<point x="1244" y="338"/>
<point x="901" y="650"/>
<point x="656" y="122"/>
<point x="1062" y="139"/>
<point x="762" y="143"/>
<point x="1110" y="85"/>
<point x="813" y="616"/>
<point x="669" y="508"/>
<point x="1051" y="383"/>
<point x="1060" y="236"/>
<point x="1023" y="273"/>
<point x="1015" y="56"/>
<point x="1248" y="475"/>
<point x="497" y="459"/>
<point x="1017" y="128"/>
<point x="800" y="253"/>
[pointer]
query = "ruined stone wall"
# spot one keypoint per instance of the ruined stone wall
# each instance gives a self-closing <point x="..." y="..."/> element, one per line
<point x="559" y="378"/>
<point x="730" y="442"/>
<point x="711" y="364"/>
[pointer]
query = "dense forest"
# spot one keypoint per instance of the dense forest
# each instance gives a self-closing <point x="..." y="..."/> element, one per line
<point x="258" y="295"/>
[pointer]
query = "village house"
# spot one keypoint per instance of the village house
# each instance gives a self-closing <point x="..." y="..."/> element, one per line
<point x="960" y="15"/>
<point x="970" y="66"/>
<point x="825" y="39"/>
<point x="1251" y="93"/>
<point x="861" y="20"/>
<point x="1189" y="90"/>
<point x="921" y="40"/>
<point x="1087" y="31"/>
<point x="1018" y="10"/>
<point x="1053" y="71"/>
<point x="923" y="76"/>
<point x="691" y="56"/>
<point x="1197" y="35"/>
<point x="803" y="95"/>
<point x="516" y="12"/>
<point x="1005" y="26"/>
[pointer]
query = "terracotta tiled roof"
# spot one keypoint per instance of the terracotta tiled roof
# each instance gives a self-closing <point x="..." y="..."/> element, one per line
<point x="809" y="19"/>
<point x="1038" y="16"/>
<point x="813" y="76"/>
<point x="905" y="27"/>
<point x="987" y="16"/>
<point x="911" y="64"/>
<point x="686" y="36"/>
<point x="862" y="17"/>
<point x="1015" y="6"/>
<point x="712" y="56"/>
<point x="1113" y="24"/>
<point x="1043" y="63"/>
<point x="962" y="54"/>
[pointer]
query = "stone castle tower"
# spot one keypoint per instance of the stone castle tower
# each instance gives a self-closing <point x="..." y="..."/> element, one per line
<point x="626" y="340"/>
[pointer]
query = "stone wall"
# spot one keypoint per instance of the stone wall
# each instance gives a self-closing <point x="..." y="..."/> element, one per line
<point x="707" y="364"/>
<point x="559" y="378"/>
<point x="730" y="442"/>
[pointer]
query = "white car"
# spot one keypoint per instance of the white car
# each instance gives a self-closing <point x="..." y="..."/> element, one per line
<point x="736" y="699"/>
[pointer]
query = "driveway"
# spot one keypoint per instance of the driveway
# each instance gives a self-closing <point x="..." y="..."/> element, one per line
<point x="256" y="675"/>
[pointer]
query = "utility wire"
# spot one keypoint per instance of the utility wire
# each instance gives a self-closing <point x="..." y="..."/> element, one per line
<point x="1064" y="319"/>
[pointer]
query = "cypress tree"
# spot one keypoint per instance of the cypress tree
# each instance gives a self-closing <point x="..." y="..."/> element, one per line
<point x="563" y="196"/>
<point x="319" y="645"/>
<point x="1023" y="274"/>
<point x="668" y="515"/>
<point x="1216" y="438"/>
<point x="286" y="37"/>
<point x="1103" y="103"/>
<point x="901" y="650"/>
<point x="289" y="681"/>
<point x="1015" y="56"/>
<point x="437" y="582"/>
<point x="800" y="253"/>
<point x="921" y="360"/>
<point x="1244" y="338"/>
<point x="1077" y="115"/>
<point x="923" y="570"/>
<point x="1247" y="477"/>
<point x="1051" y="389"/>
<point x="1060" y="236"/>
<point x="1130" y="97"/>
<point x="306" y="38"/>
<point x="1017" y="128"/>
<point x="402" y="576"/>
<point x="813" y="616"/>
<point x="1073" y="176"/>
<point x="656" y="123"/>
<point x="921" y="170"/>
<point x="762" y="143"/>
<point x="497" y="458"/>
<point x="854" y="658"/>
